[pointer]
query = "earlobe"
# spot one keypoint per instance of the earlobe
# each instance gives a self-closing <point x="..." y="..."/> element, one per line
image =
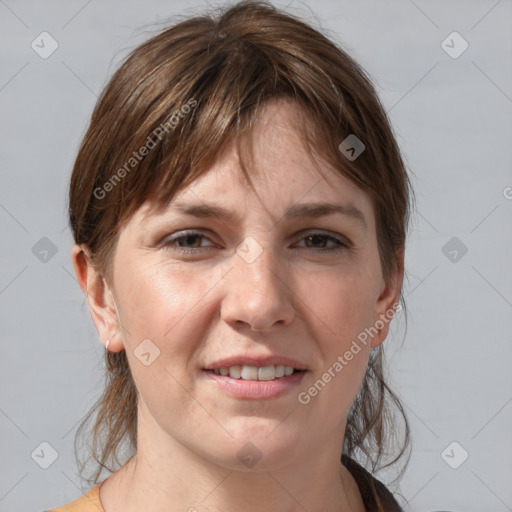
<point x="99" y="297"/>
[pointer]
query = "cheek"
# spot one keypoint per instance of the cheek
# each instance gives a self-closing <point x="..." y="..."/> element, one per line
<point x="345" y="303"/>
<point x="163" y="323"/>
<point x="345" y="306"/>
<point x="158" y="301"/>
<point x="162" y="327"/>
<point x="335" y="384"/>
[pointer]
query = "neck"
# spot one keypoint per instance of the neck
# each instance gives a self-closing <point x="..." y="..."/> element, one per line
<point x="179" y="479"/>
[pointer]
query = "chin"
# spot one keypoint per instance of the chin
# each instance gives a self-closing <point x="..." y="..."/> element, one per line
<point x="264" y="450"/>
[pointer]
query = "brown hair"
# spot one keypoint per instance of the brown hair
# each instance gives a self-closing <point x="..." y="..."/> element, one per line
<point x="183" y="95"/>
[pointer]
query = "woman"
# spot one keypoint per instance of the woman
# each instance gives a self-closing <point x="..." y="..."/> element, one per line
<point x="239" y="206"/>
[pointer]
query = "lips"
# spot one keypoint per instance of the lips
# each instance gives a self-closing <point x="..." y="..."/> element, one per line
<point x="256" y="378"/>
<point x="255" y="389"/>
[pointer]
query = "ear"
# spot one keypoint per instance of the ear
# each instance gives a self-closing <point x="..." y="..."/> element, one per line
<point x="99" y="297"/>
<point x="388" y="301"/>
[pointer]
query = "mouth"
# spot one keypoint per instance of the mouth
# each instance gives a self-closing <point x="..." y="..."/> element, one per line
<point x="258" y="373"/>
<point x="255" y="382"/>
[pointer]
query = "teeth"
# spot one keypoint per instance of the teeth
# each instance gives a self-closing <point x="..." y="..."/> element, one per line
<point x="246" y="372"/>
<point x="249" y="373"/>
<point x="279" y="370"/>
<point x="267" y="372"/>
<point x="235" y="371"/>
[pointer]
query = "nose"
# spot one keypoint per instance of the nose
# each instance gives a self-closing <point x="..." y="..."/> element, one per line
<point x="256" y="292"/>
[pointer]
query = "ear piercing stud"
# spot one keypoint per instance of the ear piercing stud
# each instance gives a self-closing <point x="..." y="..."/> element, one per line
<point x="106" y="344"/>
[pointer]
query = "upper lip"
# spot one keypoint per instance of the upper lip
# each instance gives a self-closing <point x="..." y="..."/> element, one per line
<point x="246" y="360"/>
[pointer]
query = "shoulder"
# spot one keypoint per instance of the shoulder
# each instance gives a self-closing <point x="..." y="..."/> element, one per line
<point x="373" y="492"/>
<point x="89" y="502"/>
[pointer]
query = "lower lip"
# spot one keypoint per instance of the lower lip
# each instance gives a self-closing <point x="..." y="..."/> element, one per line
<point x="256" y="389"/>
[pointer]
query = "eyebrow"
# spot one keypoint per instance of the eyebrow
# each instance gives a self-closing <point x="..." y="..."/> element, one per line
<point x="296" y="211"/>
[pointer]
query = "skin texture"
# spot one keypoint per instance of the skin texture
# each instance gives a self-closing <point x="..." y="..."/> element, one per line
<point x="297" y="299"/>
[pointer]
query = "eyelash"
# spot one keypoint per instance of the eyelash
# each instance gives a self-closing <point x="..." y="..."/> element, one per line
<point x="170" y="241"/>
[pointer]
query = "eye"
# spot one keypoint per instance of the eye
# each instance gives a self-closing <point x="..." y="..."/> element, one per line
<point x="184" y="239"/>
<point x="321" y="239"/>
<point x="189" y="242"/>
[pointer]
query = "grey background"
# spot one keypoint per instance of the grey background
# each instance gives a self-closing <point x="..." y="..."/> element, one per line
<point x="453" y="121"/>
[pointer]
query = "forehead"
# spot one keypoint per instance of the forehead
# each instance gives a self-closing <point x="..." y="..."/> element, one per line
<point x="281" y="169"/>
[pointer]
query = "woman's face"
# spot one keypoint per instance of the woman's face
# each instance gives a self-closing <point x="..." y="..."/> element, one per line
<point x="273" y="283"/>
